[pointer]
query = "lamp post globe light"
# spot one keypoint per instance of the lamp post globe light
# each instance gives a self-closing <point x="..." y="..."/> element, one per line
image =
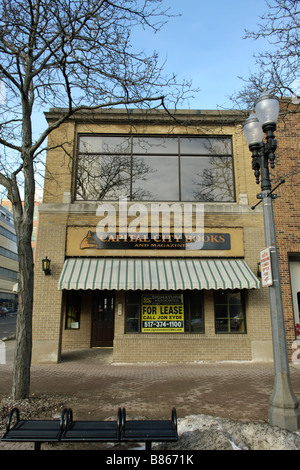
<point x="284" y="407"/>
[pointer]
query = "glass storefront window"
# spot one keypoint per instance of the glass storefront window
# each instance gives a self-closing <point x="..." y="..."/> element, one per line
<point x="155" y="168"/>
<point x="164" y="312"/>
<point x="229" y="312"/>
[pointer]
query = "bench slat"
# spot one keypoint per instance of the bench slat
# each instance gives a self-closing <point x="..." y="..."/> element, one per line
<point x="142" y="431"/>
<point x="149" y="430"/>
<point x="34" y="430"/>
<point x="92" y="431"/>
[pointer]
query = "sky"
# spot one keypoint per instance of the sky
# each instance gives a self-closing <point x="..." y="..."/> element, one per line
<point x="205" y="44"/>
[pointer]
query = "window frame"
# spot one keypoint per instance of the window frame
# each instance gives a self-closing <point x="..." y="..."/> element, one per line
<point x="243" y="305"/>
<point x="179" y="155"/>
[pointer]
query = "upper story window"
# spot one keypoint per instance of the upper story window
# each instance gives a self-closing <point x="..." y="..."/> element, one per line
<point x="155" y="168"/>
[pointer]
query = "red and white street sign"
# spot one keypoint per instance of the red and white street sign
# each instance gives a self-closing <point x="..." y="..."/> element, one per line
<point x="266" y="268"/>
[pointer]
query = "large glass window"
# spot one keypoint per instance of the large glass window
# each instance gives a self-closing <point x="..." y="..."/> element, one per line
<point x="155" y="168"/>
<point x="164" y="312"/>
<point x="229" y="312"/>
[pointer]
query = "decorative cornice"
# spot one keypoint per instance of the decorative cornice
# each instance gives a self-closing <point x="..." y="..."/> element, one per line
<point x="137" y="116"/>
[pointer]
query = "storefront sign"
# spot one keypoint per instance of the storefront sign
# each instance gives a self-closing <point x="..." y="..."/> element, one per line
<point x="213" y="242"/>
<point x="162" y="313"/>
<point x="202" y="241"/>
<point x="266" y="268"/>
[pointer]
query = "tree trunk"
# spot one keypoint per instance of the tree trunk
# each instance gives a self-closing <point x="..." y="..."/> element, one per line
<point x="22" y="363"/>
<point x="23" y="219"/>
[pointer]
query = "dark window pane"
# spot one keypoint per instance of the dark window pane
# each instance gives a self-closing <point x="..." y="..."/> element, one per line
<point x="196" y="313"/>
<point x="222" y="311"/>
<point x="132" y="312"/>
<point x="158" y="180"/>
<point x="103" y="177"/>
<point x="234" y="298"/>
<point x="155" y="145"/>
<point x="103" y="144"/>
<point x="207" y="179"/>
<point x="205" y="146"/>
<point x="221" y="326"/>
<point x="193" y="312"/>
<point x="132" y="318"/>
<point x="73" y="310"/>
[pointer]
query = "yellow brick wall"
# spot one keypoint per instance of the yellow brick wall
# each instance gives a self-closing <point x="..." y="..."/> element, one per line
<point x="47" y="298"/>
<point x="81" y="338"/>
<point x="59" y="167"/>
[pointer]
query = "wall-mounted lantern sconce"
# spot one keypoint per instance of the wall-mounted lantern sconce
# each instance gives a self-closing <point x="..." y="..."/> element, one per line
<point x="258" y="270"/>
<point x="46" y="266"/>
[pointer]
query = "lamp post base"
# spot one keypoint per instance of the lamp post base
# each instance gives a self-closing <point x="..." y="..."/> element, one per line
<point x="287" y="414"/>
<point x="288" y="419"/>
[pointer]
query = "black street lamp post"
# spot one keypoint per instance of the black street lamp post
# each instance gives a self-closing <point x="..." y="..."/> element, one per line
<point x="284" y="407"/>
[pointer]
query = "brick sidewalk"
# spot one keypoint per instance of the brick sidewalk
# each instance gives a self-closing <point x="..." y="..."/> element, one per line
<point x="96" y="388"/>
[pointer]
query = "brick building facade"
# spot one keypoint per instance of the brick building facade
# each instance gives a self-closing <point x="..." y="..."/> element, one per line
<point x="106" y="291"/>
<point x="287" y="213"/>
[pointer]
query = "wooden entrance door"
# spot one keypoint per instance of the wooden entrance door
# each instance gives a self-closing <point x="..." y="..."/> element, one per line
<point x="103" y="320"/>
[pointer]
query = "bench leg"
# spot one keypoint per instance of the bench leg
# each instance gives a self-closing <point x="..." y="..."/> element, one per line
<point x="37" y="446"/>
<point x="148" y="445"/>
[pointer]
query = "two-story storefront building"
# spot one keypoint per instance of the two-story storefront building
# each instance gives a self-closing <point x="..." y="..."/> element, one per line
<point x="153" y="244"/>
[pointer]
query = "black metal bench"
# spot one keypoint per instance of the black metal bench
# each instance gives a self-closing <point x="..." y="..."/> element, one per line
<point x="149" y="431"/>
<point x="32" y="430"/>
<point x="67" y="430"/>
<point x="90" y="431"/>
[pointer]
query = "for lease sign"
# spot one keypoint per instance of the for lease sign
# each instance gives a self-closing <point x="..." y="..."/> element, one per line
<point x="162" y="313"/>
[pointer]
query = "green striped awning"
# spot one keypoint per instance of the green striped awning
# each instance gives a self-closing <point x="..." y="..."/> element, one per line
<point x="156" y="274"/>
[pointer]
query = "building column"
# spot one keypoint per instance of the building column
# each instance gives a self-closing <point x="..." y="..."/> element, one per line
<point x="47" y="305"/>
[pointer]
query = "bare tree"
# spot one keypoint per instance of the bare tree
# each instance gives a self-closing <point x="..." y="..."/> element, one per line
<point x="70" y="54"/>
<point x="278" y="68"/>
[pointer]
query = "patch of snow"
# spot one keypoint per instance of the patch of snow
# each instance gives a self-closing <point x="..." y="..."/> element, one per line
<point x="203" y="432"/>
